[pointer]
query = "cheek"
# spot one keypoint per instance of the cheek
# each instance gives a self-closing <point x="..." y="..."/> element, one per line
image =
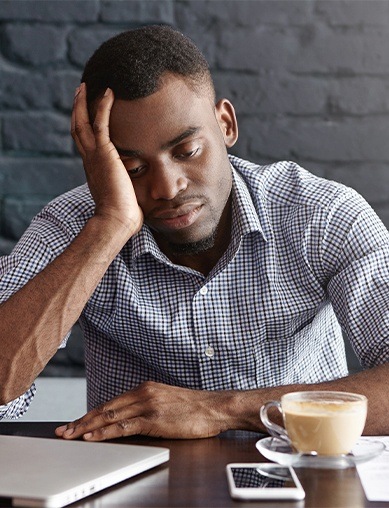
<point x="214" y="175"/>
<point x="225" y="184"/>
<point x="222" y="174"/>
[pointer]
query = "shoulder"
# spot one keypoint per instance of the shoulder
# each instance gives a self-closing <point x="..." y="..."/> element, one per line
<point x="286" y="184"/>
<point x="71" y="209"/>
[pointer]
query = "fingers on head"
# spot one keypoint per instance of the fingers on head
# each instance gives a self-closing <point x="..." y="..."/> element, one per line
<point x="86" y="135"/>
<point x="101" y="118"/>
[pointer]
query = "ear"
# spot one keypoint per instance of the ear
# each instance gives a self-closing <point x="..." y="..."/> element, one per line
<point x="226" y="118"/>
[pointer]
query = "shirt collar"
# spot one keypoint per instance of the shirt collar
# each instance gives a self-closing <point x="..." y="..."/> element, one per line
<point x="245" y="220"/>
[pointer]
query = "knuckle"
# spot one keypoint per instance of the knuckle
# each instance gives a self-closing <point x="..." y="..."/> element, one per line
<point x="77" y="129"/>
<point x="100" y="410"/>
<point x="106" y="413"/>
<point x="123" y="426"/>
<point x="98" y="127"/>
<point x="101" y="433"/>
<point x="110" y="415"/>
<point x="148" y="387"/>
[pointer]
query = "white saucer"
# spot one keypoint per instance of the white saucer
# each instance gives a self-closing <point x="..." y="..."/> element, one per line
<point x="278" y="451"/>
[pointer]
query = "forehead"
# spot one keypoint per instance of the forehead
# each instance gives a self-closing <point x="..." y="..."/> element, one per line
<point x="162" y="115"/>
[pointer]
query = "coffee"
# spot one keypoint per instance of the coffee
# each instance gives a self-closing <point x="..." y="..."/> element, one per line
<point x="327" y="423"/>
<point x="326" y="427"/>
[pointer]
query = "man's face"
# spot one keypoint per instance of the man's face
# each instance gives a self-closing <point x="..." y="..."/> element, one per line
<point x="173" y="145"/>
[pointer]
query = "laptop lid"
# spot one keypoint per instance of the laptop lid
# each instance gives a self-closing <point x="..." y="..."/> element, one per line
<point x="52" y="473"/>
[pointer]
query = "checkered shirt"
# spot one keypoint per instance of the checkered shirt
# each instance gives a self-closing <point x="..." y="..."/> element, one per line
<point x="308" y="257"/>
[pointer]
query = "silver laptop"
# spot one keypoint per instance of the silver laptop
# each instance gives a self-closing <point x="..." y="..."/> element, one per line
<point x="54" y="472"/>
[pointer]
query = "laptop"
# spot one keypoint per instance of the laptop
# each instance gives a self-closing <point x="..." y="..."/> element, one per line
<point x="53" y="473"/>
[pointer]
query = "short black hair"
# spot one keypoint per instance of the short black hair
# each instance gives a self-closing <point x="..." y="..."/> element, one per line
<point x="132" y="63"/>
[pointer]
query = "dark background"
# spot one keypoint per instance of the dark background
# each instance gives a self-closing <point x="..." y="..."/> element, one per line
<point x="309" y="80"/>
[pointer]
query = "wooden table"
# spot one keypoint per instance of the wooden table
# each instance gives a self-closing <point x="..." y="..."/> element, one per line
<point x="195" y="475"/>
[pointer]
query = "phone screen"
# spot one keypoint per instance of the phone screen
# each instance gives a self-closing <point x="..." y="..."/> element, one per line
<point x="271" y="477"/>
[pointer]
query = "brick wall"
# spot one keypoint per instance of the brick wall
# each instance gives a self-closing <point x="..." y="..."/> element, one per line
<point x="309" y="79"/>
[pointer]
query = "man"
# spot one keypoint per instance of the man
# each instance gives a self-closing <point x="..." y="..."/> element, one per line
<point x="205" y="284"/>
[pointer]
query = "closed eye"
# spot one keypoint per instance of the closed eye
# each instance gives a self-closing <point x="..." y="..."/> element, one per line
<point x="187" y="155"/>
<point x="134" y="172"/>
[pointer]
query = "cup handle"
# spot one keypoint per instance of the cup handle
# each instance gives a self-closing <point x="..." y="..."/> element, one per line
<point x="274" y="429"/>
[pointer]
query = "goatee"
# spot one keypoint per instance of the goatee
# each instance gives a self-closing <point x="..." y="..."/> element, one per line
<point x="193" y="248"/>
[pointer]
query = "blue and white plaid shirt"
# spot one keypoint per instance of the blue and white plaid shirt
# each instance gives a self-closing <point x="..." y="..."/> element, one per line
<point x="306" y="255"/>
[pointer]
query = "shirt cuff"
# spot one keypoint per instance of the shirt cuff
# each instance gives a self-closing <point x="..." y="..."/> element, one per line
<point x="16" y="408"/>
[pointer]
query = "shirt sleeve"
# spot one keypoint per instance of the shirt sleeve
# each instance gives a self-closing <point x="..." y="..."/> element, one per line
<point x="16" y="408"/>
<point x="42" y="242"/>
<point x="355" y="250"/>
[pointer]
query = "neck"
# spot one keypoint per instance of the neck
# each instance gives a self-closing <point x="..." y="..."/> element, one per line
<point x="205" y="261"/>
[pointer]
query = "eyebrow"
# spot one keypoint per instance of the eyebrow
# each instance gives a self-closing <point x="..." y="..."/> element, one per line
<point x="181" y="137"/>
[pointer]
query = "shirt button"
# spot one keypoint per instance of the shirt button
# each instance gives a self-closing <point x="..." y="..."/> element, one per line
<point x="209" y="351"/>
<point x="204" y="290"/>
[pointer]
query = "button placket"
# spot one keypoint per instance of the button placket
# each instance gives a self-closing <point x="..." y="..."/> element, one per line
<point x="209" y="350"/>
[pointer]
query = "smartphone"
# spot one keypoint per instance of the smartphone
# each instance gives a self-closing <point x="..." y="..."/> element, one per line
<point x="263" y="481"/>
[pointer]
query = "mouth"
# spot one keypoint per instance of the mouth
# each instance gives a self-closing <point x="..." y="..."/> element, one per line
<point x="178" y="218"/>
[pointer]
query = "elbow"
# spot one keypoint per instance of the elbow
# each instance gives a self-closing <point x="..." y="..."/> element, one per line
<point x="14" y="379"/>
<point x="12" y="388"/>
<point x="7" y="396"/>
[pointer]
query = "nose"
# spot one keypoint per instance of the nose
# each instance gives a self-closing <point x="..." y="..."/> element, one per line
<point x="167" y="181"/>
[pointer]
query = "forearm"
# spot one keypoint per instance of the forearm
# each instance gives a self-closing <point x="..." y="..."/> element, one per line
<point x="34" y="320"/>
<point x="160" y="410"/>
<point x="241" y="409"/>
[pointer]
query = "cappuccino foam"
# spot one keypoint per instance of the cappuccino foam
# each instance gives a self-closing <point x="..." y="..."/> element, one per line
<point x="326" y="427"/>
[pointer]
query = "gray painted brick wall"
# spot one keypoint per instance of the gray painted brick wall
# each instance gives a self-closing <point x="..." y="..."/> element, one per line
<point x="309" y="80"/>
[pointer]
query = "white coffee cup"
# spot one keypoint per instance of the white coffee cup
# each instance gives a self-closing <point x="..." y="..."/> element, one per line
<point x="320" y="422"/>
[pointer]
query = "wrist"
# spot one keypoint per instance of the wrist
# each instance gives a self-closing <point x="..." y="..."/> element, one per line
<point x="115" y="226"/>
<point x="101" y="240"/>
<point x="241" y="410"/>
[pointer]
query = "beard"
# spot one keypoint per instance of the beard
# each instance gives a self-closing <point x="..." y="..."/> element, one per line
<point x="193" y="248"/>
